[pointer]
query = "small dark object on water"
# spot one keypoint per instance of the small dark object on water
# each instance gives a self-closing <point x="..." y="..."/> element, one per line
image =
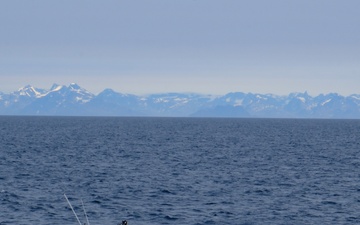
<point x="124" y="222"/>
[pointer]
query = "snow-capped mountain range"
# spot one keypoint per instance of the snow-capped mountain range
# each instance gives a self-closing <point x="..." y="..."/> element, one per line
<point x="73" y="100"/>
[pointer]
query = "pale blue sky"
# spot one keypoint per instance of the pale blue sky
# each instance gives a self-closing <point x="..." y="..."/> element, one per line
<point x="203" y="46"/>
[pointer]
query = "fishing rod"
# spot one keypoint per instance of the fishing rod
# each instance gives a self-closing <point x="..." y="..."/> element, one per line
<point x="87" y="220"/>
<point x="77" y="218"/>
<point x="124" y="222"/>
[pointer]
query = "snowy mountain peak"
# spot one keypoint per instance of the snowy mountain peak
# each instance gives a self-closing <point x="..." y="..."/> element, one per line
<point x="74" y="86"/>
<point x="30" y="91"/>
<point x="81" y="94"/>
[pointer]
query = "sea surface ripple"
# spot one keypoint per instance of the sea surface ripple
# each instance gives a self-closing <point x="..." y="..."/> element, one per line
<point x="179" y="171"/>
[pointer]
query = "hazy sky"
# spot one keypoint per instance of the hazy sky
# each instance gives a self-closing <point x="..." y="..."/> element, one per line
<point x="203" y="46"/>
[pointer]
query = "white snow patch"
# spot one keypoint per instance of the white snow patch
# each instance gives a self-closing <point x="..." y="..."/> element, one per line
<point x="181" y="100"/>
<point x="327" y="101"/>
<point x="260" y="97"/>
<point x="301" y="99"/>
<point x="37" y="94"/>
<point x="23" y="93"/>
<point x="238" y="102"/>
<point x="356" y="97"/>
<point x="57" y="88"/>
<point x="82" y="100"/>
<point x="159" y="100"/>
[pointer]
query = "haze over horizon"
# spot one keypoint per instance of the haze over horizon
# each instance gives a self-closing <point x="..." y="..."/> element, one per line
<point x="201" y="46"/>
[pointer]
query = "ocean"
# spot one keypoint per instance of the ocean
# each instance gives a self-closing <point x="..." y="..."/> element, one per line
<point x="179" y="171"/>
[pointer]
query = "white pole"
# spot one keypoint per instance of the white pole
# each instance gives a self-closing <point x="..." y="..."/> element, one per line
<point x="77" y="218"/>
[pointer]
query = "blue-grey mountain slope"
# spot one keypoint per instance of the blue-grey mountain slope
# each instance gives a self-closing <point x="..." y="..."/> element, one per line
<point x="111" y="103"/>
<point x="74" y="100"/>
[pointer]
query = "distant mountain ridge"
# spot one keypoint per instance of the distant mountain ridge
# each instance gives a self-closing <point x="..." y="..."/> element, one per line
<point x="73" y="100"/>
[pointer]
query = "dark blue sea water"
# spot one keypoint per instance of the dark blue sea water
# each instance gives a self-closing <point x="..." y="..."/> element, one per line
<point x="179" y="170"/>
